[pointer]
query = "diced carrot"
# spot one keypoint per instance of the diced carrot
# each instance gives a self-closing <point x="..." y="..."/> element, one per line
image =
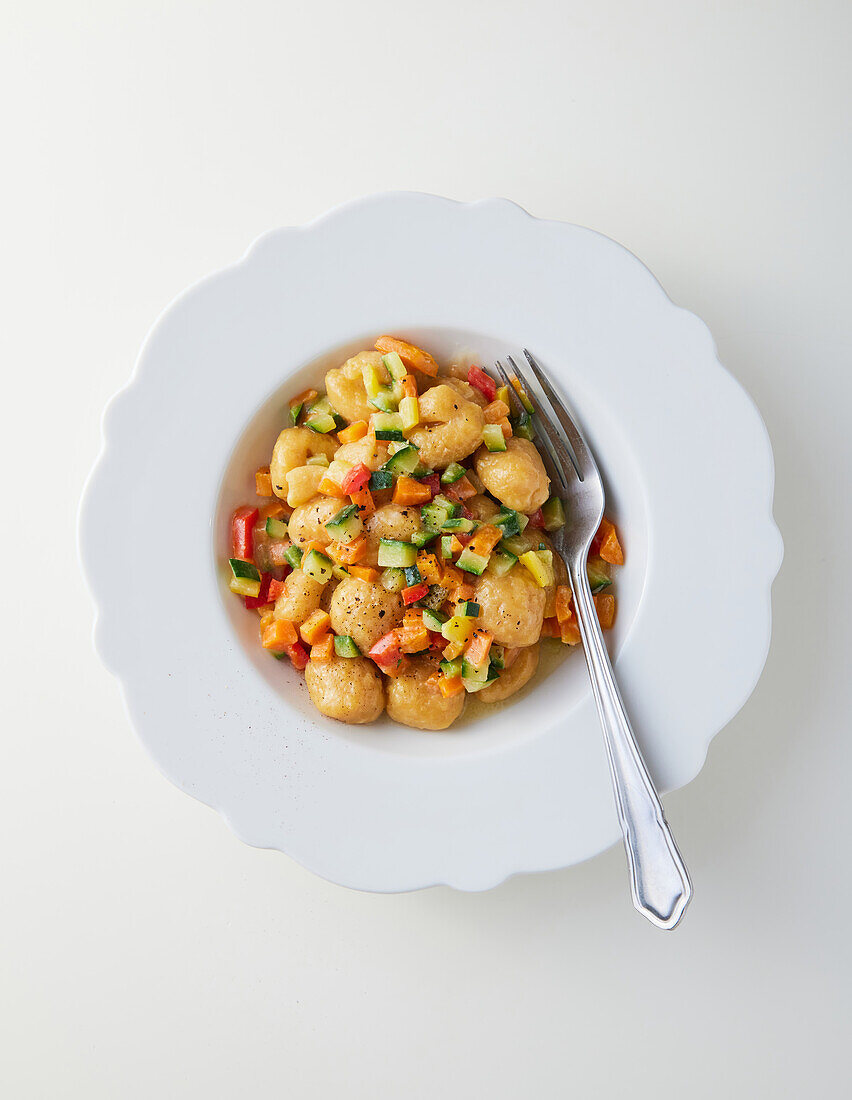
<point x="550" y="629"/>
<point x="413" y="357"/>
<point x="316" y="624"/>
<point x="463" y="489"/>
<point x="479" y="647"/>
<point x="263" y="482"/>
<point x="451" y="576"/>
<point x="453" y="650"/>
<point x="409" y="491"/>
<point x="450" y="686"/>
<point x="323" y="650"/>
<point x="320" y="547"/>
<point x="485" y="539"/>
<point x="365" y="572"/>
<point x="463" y="592"/>
<point x="273" y="511"/>
<point x="610" y="548"/>
<point x="506" y="426"/>
<point x="364" y="500"/>
<point x="304" y="397"/>
<point x="456" y="545"/>
<point x="278" y="635"/>
<point x="605" y="607"/>
<point x="413" y="639"/>
<point x="564" y="598"/>
<point x="329" y="487"/>
<point x="356" y="430"/>
<point x="570" y="632"/>
<point x="494" y="413"/>
<point x="349" y="553"/>
<point x="409" y="386"/>
<point x="430" y="570"/>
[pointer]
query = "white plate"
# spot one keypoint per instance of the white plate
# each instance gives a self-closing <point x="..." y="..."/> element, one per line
<point x="689" y="471"/>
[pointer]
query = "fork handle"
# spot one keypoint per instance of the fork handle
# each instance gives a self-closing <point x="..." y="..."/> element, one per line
<point x="658" y="877"/>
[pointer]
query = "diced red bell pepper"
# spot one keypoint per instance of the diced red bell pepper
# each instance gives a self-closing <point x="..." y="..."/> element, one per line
<point x="242" y="538"/>
<point x="537" y="519"/>
<point x="486" y="385"/>
<point x="386" y="651"/>
<point x="434" y="483"/>
<point x="355" y="479"/>
<point x="464" y="537"/>
<point x="276" y="588"/>
<point x="262" y="598"/>
<point x="414" y="593"/>
<point x="298" y="655"/>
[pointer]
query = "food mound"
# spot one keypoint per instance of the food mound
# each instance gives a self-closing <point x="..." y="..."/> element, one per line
<point x="401" y="554"/>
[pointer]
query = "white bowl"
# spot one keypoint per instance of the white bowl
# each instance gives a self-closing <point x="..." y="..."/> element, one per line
<point x="689" y="472"/>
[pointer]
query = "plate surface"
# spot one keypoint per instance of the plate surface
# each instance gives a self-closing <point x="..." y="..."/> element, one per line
<point x="520" y="788"/>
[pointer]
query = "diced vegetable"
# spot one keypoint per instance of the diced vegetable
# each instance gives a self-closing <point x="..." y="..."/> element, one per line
<point x="294" y="556"/>
<point x="355" y="478"/>
<point x="486" y="538"/>
<point x="405" y="461"/>
<point x="492" y="436"/>
<point x="412" y="574"/>
<point x="554" y="514"/>
<point x="495" y="412"/>
<point x="262" y="598"/>
<point x="468" y="608"/>
<point x="395" y="366"/>
<point x="564" y="601"/>
<point x="437" y="594"/>
<point x="331" y="488"/>
<point x="414" y="593"/>
<point x="537" y="519"/>
<point x="483" y="382"/>
<point x="478" y="649"/>
<point x="409" y="491"/>
<point x="316" y="624"/>
<point x="278" y="635"/>
<point x="503" y="395"/>
<point x="244" y="570"/>
<point x="392" y="552"/>
<point x="430" y="569"/>
<point x="263" y="482"/>
<point x="477" y="673"/>
<point x="364" y="573"/>
<point x="471" y="562"/>
<point x="242" y="537"/>
<point x="386" y="651"/>
<point x="610" y="548"/>
<point x="363" y="501"/>
<point x="509" y="522"/>
<point x="464" y="488"/>
<point x="522" y="394"/>
<point x="522" y="426"/>
<point x="432" y="482"/>
<point x="605" y="607"/>
<point x="450" y="686"/>
<point x="497" y="655"/>
<point x="409" y="411"/>
<point x="356" y="430"/>
<point x="597" y="571"/>
<point x="458" y="628"/>
<point x="349" y="553"/>
<point x="452" y="473"/>
<point x="339" y="571"/>
<point x="381" y="479"/>
<point x="387" y="425"/>
<point x="446" y="546"/>
<point x="275" y="589"/>
<point x="423" y="538"/>
<point x="317" y="565"/>
<point x="321" y="423"/>
<point x="433" y="620"/>
<point x="244" y="586"/>
<point x="298" y="402"/>
<point x="298" y="655"/>
<point x="515" y="544"/>
<point x="458" y="524"/>
<point x="317" y="460"/>
<point x="346" y="524"/>
<point x="501" y="561"/>
<point x="276" y="528"/>
<point x="393" y="579"/>
<point x="413" y="357"/>
<point x="538" y="568"/>
<point x="344" y="646"/>
<point x="323" y="649"/>
<point x="451" y="668"/>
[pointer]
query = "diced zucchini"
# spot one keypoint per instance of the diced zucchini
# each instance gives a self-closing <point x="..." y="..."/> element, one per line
<point x="515" y="544"/>
<point x="458" y="523"/>
<point x="392" y="552"/>
<point x="469" y="608"/>
<point x="433" y="620"/>
<point x="405" y="461"/>
<point x="317" y="460"/>
<point x="501" y="561"/>
<point x="493" y="438"/>
<point x="294" y="556"/>
<point x="553" y="514"/>
<point x="244" y="586"/>
<point x="497" y="654"/>
<point x="436" y="596"/>
<point x="423" y="538"/>
<point x="433" y="516"/>
<point x="346" y="524"/>
<point x="338" y="469"/>
<point x="471" y="672"/>
<point x="453" y="473"/>
<point x="598" y="574"/>
<point x="451" y="668"/>
<point x="396" y="367"/>
<point x="318" y="566"/>
<point x="340" y="572"/>
<point x="390" y="433"/>
<point x="276" y="528"/>
<point x="471" y="562"/>
<point x="372" y="381"/>
<point x="472" y="686"/>
<point x="381" y="479"/>
<point x="457" y="629"/>
<point x="296" y="412"/>
<point x="393" y="579"/>
<point x="542" y="573"/>
<point x="412" y="575"/>
<point x="387" y="425"/>
<point x="385" y="402"/>
<point x="320" y="404"/>
<point x="409" y="410"/>
<point x="522" y="426"/>
<point x="509" y="522"/>
<point x="344" y="646"/>
<point x="322" y="423"/>
<point x="244" y="569"/>
<point x="395" y="445"/>
<point x="446" y="546"/>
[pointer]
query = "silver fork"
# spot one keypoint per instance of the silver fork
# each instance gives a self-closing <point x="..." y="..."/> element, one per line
<point x="658" y="877"/>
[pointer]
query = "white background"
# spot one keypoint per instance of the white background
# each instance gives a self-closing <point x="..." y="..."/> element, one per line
<point x="147" y="953"/>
